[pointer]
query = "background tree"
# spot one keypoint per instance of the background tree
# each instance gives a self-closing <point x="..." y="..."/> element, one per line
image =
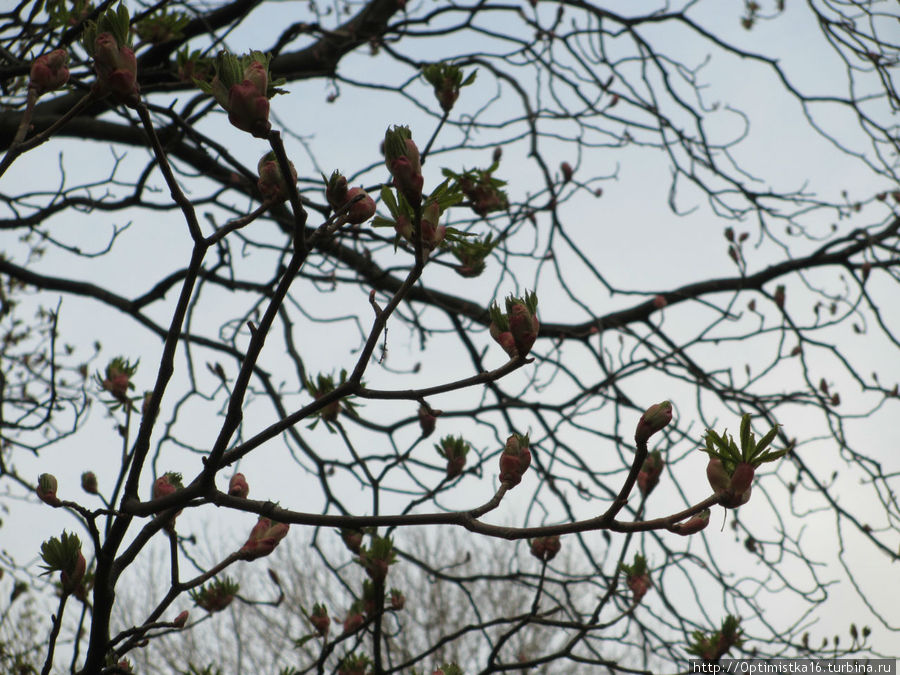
<point x="579" y="210"/>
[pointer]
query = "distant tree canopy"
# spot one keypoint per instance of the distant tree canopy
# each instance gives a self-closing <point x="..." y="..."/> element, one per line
<point x="503" y="299"/>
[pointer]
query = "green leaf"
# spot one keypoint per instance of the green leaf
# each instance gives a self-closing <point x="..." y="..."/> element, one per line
<point x="387" y="196"/>
<point x="771" y="456"/>
<point x="745" y="431"/>
<point x="765" y="440"/>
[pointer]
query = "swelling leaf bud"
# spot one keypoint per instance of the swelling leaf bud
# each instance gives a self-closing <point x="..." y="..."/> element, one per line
<point x="648" y="477"/>
<point x="89" y="482"/>
<point x="263" y="539"/>
<point x="49" y="71"/>
<point x="238" y="487"/>
<point x="692" y="525"/>
<point x="514" y="460"/>
<point x="271" y="181"/>
<point x="656" y="417"/>
<point x="46" y="489"/>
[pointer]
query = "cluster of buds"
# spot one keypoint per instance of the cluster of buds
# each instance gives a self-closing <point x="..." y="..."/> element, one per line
<point x="117" y="380"/>
<point x="338" y="195"/>
<point x="648" y="476"/>
<point x="637" y="577"/>
<point x="215" y="596"/>
<point x="272" y="184"/>
<point x="713" y="646"/>
<point x="49" y="72"/>
<point x="89" y="482"/>
<point x="115" y="65"/>
<point x="263" y="539"/>
<point x="730" y="470"/>
<point x="446" y="80"/>
<point x="545" y="548"/>
<point x="453" y="449"/>
<point x="46" y="489"/>
<point x="243" y="87"/>
<point x="64" y="555"/>
<point x="484" y="192"/>
<point x="401" y="155"/>
<point x="320" y="620"/>
<point x="655" y="418"/>
<point x="324" y="384"/>
<point x="692" y="525"/>
<point x="472" y="254"/>
<point x="355" y="664"/>
<point x="517" y="329"/>
<point x="238" y="487"/>
<point x="514" y="460"/>
<point x="377" y="558"/>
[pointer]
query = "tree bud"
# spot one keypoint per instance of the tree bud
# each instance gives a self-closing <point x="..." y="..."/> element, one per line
<point x="656" y="417"/>
<point x="263" y="539"/>
<point x="49" y="71"/>
<point x="692" y="525"/>
<point x="46" y="489"/>
<point x="514" y="460"/>
<point x="89" y="482"/>
<point x="238" y="487"/>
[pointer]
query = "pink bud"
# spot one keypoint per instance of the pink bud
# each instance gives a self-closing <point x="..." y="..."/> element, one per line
<point x="70" y="579"/>
<point x="408" y="180"/>
<point x="256" y="74"/>
<point x="49" y="71"/>
<point x="524" y="326"/>
<point x="648" y="477"/>
<point x="116" y="68"/>
<point x="567" y="171"/>
<point x="181" y="619"/>
<point x="506" y="340"/>
<point x="692" y="525"/>
<point x="238" y="487"/>
<point x="656" y="417"/>
<point x="361" y="210"/>
<point x="427" y="422"/>
<point x="166" y="484"/>
<point x="271" y="181"/>
<point x="718" y="477"/>
<point x="319" y="619"/>
<point x="248" y="109"/>
<point x="514" y="460"/>
<point x="639" y="585"/>
<point x="263" y="539"/>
